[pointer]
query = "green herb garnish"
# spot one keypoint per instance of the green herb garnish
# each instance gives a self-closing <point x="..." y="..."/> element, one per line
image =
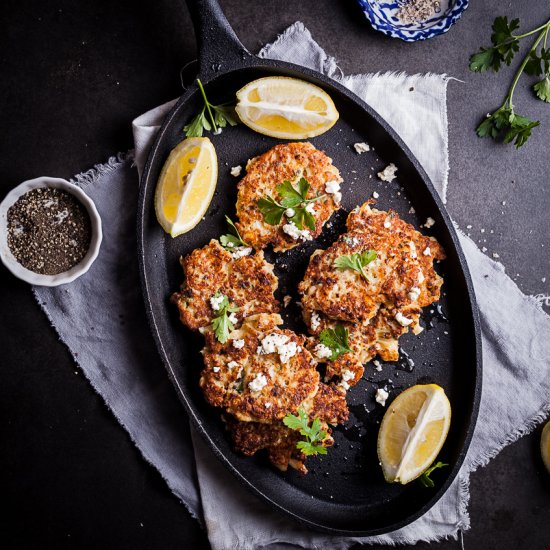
<point x="313" y="433"/>
<point x="211" y="117"/>
<point x="233" y="239"/>
<point x="292" y="198"/>
<point x="336" y="339"/>
<point x="504" y="122"/>
<point x="356" y="262"/>
<point x="221" y="323"/>
<point x="425" y="477"/>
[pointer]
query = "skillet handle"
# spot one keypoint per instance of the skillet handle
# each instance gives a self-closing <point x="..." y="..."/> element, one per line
<point x="217" y="43"/>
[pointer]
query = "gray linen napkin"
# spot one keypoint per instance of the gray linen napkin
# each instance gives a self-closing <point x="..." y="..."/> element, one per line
<point x="101" y="319"/>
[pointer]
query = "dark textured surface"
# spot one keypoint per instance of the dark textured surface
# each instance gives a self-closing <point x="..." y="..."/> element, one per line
<point x="74" y="76"/>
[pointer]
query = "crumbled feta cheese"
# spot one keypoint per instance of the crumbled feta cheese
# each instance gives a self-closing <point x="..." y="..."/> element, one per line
<point x="238" y="344"/>
<point x="267" y="405"/>
<point x="315" y="321"/>
<point x="289" y="212"/>
<point x="216" y="301"/>
<point x="412" y="210"/>
<point x="333" y="188"/>
<point x="420" y="277"/>
<point x="232" y="364"/>
<point x="258" y="383"/>
<point x="388" y="174"/>
<point x="377" y="365"/>
<point x="278" y="343"/>
<point x="233" y="318"/>
<point x="236" y="171"/>
<point x="495" y="255"/>
<point x="429" y="222"/>
<point x="347" y="375"/>
<point x="361" y="147"/>
<point x="484" y="249"/>
<point x="286" y="300"/>
<point x="412" y="246"/>
<point x="218" y="131"/>
<point x="310" y="208"/>
<point x="302" y="234"/>
<point x="402" y="320"/>
<point x="344" y="385"/>
<point x="381" y="396"/>
<point x="427" y="251"/>
<point x="216" y="369"/>
<point x="414" y="293"/>
<point x="387" y="222"/>
<point x="322" y="351"/>
<point x="241" y="252"/>
<point x="375" y="195"/>
<point x="468" y="227"/>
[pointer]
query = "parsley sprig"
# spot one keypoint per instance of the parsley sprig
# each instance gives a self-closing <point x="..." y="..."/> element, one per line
<point x="504" y="122"/>
<point x="425" y="477"/>
<point x="233" y="239"/>
<point x="292" y="198"/>
<point x="221" y="323"/>
<point x="211" y="117"/>
<point x="336" y="339"/>
<point x="356" y="262"/>
<point x="313" y="434"/>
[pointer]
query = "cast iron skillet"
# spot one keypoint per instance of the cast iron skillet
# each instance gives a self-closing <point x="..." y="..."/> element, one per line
<point x="344" y="492"/>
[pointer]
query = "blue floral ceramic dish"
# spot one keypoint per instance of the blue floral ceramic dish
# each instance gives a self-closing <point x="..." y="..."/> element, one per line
<point x="384" y="16"/>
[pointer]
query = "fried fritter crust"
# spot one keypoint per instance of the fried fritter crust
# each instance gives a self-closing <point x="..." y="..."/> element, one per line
<point x="248" y="282"/>
<point x="288" y="161"/>
<point x="228" y="377"/>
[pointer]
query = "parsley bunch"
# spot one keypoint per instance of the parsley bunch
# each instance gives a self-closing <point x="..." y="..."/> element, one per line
<point x="292" y="198"/>
<point x="233" y="239"/>
<point x="504" y="122"/>
<point x="313" y="434"/>
<point x="356" y="262"/>
<point x="211" y="117"/>
<point x="336" y="339"/>
<point x="425" y="477"/>
<point x="221" y="323"/>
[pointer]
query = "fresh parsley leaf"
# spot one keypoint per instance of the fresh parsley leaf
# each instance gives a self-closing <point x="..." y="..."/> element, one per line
<point x="425" y="477"/>
<point x="485" y="59"/>
<point x="542" y="89"/>
<point x="221" y="324"/>
<point x="356" y="261"/>
<point x="504" y="122"/>
<point x="503" y="39"/>
<point x="211" y="117"/>
<point x="337" y="339"/>
<point x="291" y="196"/>
<point x="232" y="239"/>
<point x="519" y="130"/>
<point x="538" y="63"/>
<point x="271" y="210"/>
<point x="313" y="434"/>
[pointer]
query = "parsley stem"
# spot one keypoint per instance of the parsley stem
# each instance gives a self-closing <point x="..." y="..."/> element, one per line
<point x="508" y="99"/>
<point x="545" y="26"/>
<point x="207" y="104"/>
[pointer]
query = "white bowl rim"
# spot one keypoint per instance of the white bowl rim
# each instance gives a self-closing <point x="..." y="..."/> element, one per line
<point x="79" y="269"/>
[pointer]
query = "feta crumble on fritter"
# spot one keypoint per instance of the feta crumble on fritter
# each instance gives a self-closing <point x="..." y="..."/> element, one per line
<point x="333" y="188"/>
<point x="232" y="364"/>
<point x="347" y="375"/>
<point x="310" y="208"/>
<point x="215" y="302"/>
<point x="381" y="396"/>
<point x="315" y="321"/>
<point x="322" y="351"/>
<point x="233" y="318"/>
<point x="388" y="174"/>
<point x="236" y="171"/>
<point x="278" y="343"/>
<point x="238" y="344"/>
<point x="297" y="234"/>
<point x="427" y="251"/>
<point x="361" y="147"/>
<point x="258" y="383"/>
<point x="414" y="293"/>
<point x="402" y="320"/>
<point x="241" y="252"/>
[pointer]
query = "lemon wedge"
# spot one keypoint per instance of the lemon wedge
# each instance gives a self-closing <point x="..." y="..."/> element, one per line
<point x="412" y="432"/>
<point x="545" y="445"/>
<point x="286" y="108"/>
<point x="186" y="185"/>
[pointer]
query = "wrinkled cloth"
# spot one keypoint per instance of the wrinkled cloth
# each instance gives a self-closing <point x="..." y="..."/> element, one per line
<point x="101" y="318"/>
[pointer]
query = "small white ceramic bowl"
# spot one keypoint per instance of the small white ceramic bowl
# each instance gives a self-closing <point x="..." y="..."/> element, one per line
<point x="79" y="269"/>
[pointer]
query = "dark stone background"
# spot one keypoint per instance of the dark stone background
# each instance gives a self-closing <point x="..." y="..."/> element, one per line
<point x="73" y="76"/>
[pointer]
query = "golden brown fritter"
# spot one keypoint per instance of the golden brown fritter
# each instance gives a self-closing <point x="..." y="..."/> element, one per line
<point x="328" y="404"/>
<point x="262" y="373"/>
<point x="248" y="282"/>
<point x="378" y="309"/>
<point x="288" y="161"/>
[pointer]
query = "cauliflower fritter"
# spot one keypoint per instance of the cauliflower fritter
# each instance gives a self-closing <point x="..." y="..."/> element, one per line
<point x="288" y="161"/>
<point x="248" y="282"/>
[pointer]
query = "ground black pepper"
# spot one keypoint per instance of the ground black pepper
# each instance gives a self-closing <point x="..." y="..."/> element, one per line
<point x="49" y="230"/>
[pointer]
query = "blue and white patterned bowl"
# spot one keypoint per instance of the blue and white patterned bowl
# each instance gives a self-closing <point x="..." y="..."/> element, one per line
<point x="382" y="15"/>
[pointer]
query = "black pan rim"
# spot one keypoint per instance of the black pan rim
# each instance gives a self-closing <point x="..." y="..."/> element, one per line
<point x="257" y="63"/>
